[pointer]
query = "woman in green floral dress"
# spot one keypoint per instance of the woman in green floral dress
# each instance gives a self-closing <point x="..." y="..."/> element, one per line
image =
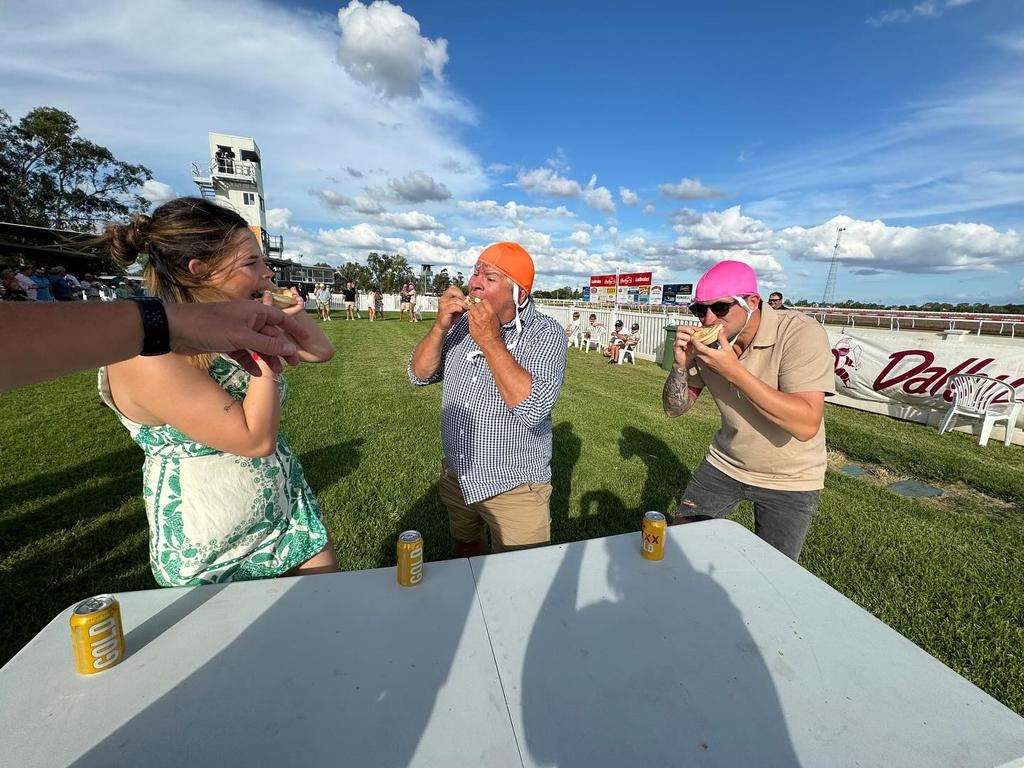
<point x="225" y="497"/>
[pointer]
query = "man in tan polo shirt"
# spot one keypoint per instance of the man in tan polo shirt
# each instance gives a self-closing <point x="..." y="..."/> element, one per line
<point x="769" y="373"/>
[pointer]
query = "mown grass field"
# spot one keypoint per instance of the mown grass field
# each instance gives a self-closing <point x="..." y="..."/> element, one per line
<point x="946" y="574"/>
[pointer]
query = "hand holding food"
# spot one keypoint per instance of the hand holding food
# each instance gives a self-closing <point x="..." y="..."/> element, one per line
<point x="450" y="307"/>
<point x="282" y="298"/>
<point x="707" y="335"/>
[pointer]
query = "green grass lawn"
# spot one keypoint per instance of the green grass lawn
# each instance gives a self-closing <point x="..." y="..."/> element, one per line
<point x="946" y="575"/>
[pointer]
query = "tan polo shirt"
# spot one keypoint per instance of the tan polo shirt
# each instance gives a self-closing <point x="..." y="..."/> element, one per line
<point x="790" y="352"/>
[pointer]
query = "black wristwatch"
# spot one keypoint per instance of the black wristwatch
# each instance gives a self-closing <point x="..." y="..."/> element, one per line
<point x="156" y="334"/>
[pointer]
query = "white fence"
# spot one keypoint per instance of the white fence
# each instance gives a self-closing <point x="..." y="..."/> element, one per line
<point x="652" y="326"/>
<point x="391" y="302"/>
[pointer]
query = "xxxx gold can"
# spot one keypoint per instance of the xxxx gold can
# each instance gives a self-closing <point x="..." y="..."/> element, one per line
<point x="97" y="634"/>
<point x="652" y="536"/>
<point x="410" y="559"/>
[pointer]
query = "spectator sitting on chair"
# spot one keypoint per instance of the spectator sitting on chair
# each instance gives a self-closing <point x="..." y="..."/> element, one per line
<point x="630" y="341"/>
<point x="618" y="339"/>
<point x="573" y="328"/>
<point x="593" y="328"/>
<point x="775" y="301"/>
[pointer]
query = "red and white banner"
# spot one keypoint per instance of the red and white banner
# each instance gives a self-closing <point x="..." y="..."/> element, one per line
<point x="911" y="372"/>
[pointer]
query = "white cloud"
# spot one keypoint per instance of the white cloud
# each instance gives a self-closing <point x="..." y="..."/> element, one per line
<point x="533" y="241"/>
<point x="926" y="9"/>
<point x="1020" y="285"/>
<point x="548" y="182"/>
<point x="410" y="220"/>
<point x="512" y="210"/>
<point x="78" y="57"/>
<point x="649" y="209"/>
<point x="1010" y="41"/>
<point x="628" y="196"/>
<point x="418" y="187"/>
<point x="359" y="203"/>
<point x="381" y="46"/>
<point x="361" y="237"/>
<point x="279" y="218"/>
<point x="598" y="198"/>
<point x="156" y="192"/>
<point x="876" y="245"/>
<point x="690" y="189"/>
<point x="580" y="237"/>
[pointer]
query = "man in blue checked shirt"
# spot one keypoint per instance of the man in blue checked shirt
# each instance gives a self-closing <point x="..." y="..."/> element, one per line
<point x="502" y="363"/>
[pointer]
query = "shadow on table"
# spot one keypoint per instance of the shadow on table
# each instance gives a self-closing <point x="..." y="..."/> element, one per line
<point x="660" y="670"/>
<point x="328" y="674"/>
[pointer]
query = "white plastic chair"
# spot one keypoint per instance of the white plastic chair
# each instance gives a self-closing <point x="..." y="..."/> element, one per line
<point x="973" y="397"/>
<point x="628" y="350"/>
<point x="597" y="339"/>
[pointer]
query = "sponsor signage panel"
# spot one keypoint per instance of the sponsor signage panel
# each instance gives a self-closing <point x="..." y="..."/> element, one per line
<point x="909" y="374"/>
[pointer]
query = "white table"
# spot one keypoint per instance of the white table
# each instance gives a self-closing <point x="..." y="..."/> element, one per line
<point x="340" y="669"/>
<point x="726" y="653"/>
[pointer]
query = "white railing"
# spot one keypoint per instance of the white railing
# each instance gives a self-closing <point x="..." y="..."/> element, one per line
<point x="652" y="326"/>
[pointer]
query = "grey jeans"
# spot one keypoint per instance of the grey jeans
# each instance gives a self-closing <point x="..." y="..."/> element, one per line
<point x="782" y="518"/>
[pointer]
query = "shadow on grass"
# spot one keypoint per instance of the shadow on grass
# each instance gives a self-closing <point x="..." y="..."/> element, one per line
<point x="119" y="472"/>
<point x="326" y="465"/>
<point x="603" y="513"/>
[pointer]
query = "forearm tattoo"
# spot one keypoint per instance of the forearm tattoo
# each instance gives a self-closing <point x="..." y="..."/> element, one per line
<point x="675" y="398"/>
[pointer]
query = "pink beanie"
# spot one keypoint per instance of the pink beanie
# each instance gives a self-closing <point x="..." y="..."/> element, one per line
<point x="726" y="278"/>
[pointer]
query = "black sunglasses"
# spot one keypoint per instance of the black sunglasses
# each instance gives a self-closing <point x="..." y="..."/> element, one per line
<point x="720" y="308"/>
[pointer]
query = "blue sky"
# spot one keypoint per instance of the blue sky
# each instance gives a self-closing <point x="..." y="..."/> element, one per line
<point x="651" y="136"/>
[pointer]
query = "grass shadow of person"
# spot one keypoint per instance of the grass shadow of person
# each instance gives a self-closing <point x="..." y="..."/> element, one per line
<point x="326" y="465"/>
<point x="603" y="512"/>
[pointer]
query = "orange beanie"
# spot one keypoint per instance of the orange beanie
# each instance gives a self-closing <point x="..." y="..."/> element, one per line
<point x="512" y="260"/>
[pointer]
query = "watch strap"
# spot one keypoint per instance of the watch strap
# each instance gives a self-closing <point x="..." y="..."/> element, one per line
<point x="156" y="333"/>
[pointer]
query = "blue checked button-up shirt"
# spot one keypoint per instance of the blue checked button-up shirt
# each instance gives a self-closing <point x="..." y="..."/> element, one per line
<point x="490" y="447"/>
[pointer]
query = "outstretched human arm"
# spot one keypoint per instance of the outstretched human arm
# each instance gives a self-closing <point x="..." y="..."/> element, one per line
<point x="43" y="342"/>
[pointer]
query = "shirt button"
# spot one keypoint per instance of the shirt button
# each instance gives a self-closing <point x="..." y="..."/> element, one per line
<point x="467" y="405"/>
<point x="462" y="431"/>
<point x="474" y="378"/>
<point x="462" y="455"/>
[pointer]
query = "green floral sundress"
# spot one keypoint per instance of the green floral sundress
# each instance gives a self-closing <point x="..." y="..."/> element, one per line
<point x="216" y="517"/>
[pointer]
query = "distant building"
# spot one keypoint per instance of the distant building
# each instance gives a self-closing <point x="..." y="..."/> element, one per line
<point x="233" y="177"/>
<point x="291" y="273"/>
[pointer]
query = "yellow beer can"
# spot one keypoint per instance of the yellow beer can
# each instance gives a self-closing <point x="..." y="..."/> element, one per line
<point x="652" y="536"/>
<point x="410" y="559"/>
<point x="97" y="634"/>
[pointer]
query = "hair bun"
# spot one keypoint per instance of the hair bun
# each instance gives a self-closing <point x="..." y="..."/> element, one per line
<point x="127" y="241"/>
<point x="138" y="231"/>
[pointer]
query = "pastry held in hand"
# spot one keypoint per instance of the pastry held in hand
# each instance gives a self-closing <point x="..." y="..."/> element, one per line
<point x="471" y="300"/>
<point x="282" y="297"/>
<point x="707" y="335"/>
